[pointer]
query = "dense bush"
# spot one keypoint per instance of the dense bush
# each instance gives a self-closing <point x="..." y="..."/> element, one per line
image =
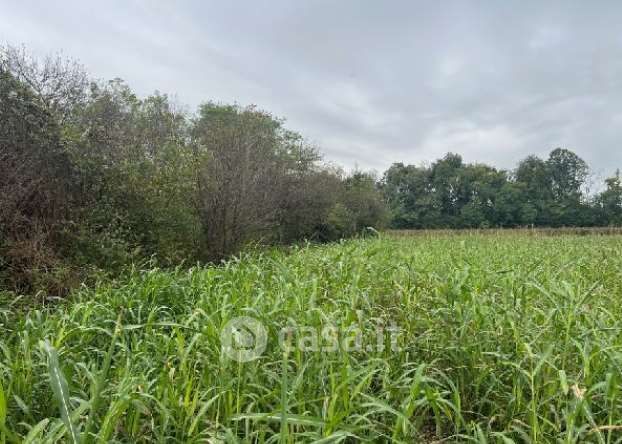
<point x="94" y="177"/>
<point x="35" y="185"/>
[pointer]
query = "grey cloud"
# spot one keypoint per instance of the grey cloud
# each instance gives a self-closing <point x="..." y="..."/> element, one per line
<point x="371" y="82"/>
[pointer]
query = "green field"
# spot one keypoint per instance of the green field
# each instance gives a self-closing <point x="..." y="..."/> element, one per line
<point x="502" y="338"/>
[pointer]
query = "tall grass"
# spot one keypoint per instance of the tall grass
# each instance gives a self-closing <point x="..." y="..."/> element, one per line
<point x="503" y="339"/>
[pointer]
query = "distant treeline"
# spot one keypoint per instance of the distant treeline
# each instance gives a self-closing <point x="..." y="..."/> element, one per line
<point x="543" y="193"/>
<point x="93" y="178"/>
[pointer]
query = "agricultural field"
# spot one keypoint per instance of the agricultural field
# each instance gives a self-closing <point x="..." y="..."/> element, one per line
<point x="494" y="338"/>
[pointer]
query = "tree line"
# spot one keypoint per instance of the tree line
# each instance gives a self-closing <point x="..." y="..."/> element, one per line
<point x="550" y="192"/>
<point x="94" y="177"/>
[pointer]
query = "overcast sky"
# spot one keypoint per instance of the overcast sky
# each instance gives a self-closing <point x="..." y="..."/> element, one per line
<point x="371" y="82"/>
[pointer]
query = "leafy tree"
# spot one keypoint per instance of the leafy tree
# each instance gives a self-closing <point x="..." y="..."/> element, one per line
<point x="447" y="188"/>
<point x="537" y="195"/>
<point x="35" y="184"/>
<point x="59" y="84"/>
<point x="136" y="171"/>
<point x="481" y="185"/>
<point x="308" y="207"/>
<point x="610" y="201"/>
<point x="243" y="182"/>
<point x="567" y="173"/>
<point x="364" y="202"/>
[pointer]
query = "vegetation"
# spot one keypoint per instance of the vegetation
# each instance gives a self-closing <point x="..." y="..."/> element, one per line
<point x="504" y="337"/>
<point x="542" y="193"/>
<point x="93" y="179"/>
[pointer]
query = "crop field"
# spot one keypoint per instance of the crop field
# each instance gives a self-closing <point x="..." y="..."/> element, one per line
<point x="487" y="338"/>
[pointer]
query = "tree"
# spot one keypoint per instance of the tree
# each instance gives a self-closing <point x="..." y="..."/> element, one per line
<point x="136" y="172"/>
<point x="568" y="173"/>
<point x="35" y="183"/>
<point x="241" y="183"/>
<point x="447" y="188"/>
<point x="535" y="183"/>
<point x="409" y="193"/>
<point x="610" y="201"/>
<point x="480" y="188"/>
<point x="312" y="195"/>
<point x="60" y="84"/>
<point x="364" y="202"/>
<point x="447" y="194"/>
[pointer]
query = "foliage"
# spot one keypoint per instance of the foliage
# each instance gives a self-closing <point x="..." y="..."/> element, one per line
<point x="505" y="337"/>
<point x="247" y="161"/>
<point x="610" y="201"/>
<point x="94" y="177"/>
<point x="35" y="184"/>
<point x="452" y="194"/>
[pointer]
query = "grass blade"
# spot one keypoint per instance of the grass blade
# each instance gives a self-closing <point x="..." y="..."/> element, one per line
<point x="61" y="391"/>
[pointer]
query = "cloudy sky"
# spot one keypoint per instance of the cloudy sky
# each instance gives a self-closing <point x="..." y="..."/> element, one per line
<point x="371" y="82"/>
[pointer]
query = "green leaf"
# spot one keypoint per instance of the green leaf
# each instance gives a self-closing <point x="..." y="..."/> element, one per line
<point x="61" y="390"/>
<point x="563" y="381"/>
<point x="33" y="435"/>
<point x="3" y="408"/>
